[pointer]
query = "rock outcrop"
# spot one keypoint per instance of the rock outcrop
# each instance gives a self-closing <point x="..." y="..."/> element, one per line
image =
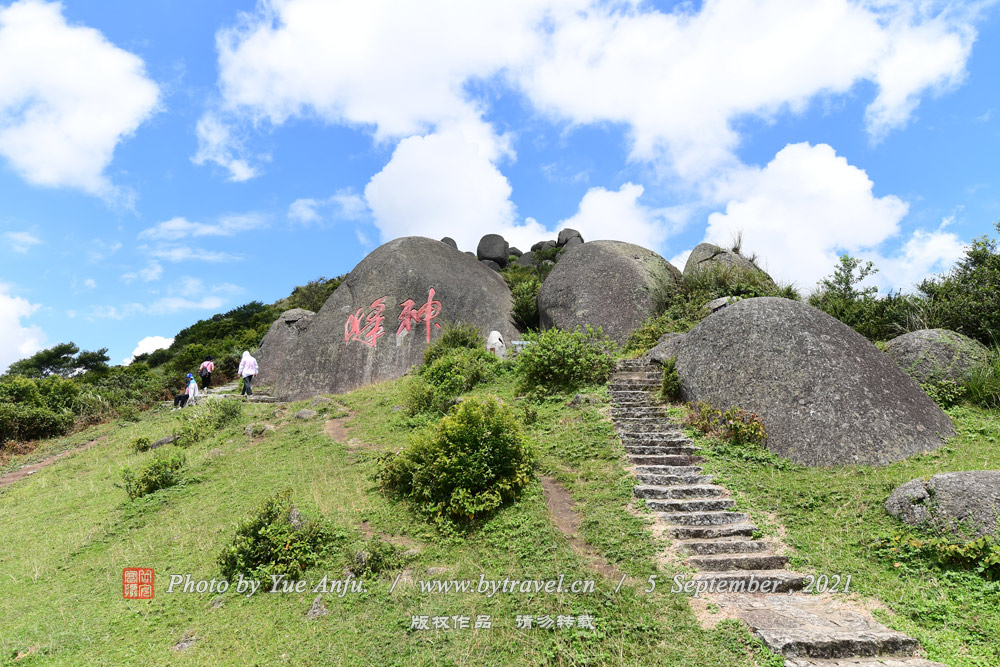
<point x="936" y="354"/>
<point x="608" y="284"/>
<point x="280" y="342"/>
<point x="826" y="394"/>
<point x="566" y="234"/>
<point x="706" y="255"/>
<point x="966" y="504"/>
<point x="378" y="322"/>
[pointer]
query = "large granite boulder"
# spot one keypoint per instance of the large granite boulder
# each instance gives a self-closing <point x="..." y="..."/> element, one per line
<point x="494" y="248"/>
<point x="379" y="321"/>
<point x="280" y="342"/>
<point x="665" y="348"/>
<point x="963" y="503"/>
<point x="826" y="394"/>
<point x="707" y="255"/>
<point x="566" y="234"/>
<point x="936" y="354"/>
<point x="608" y="284"/>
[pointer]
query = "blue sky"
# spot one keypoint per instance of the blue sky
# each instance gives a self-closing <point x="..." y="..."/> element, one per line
<point x="166" y="160"/>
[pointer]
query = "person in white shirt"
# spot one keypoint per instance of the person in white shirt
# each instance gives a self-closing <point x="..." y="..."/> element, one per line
<point x="190" y="393"/>
<point x="247" y="371"/>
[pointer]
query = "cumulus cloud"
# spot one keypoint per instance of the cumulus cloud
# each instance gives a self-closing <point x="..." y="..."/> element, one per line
<point x="21" y="242"/>
<point x="17" y="340"/>
<point x="665" y="75"/>
<point x="218" y="144"/>
<point x="619" y="215"/>
<point x="176" y="229"/>
<point x="149" y="344"/>
<point x="808" y="206"/>
<point x="185" y="293"/>
<point x="175" y="253"/>
<point x="149" y="273"/>
<point x="68" y="96"/>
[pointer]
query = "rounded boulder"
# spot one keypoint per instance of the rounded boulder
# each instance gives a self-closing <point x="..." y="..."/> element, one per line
<point x="494" y="248"/>
<point x="826" y="394"/>
<point x="707" y="256"/>
<point x="280" y="341"/>
<point x="609" y="284"/>
<point x="385" y="313"/>
<point x="962" y="503"/>
<point x="936" y="354"/>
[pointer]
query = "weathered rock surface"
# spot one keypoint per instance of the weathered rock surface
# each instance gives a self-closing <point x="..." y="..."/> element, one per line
<point x="494" y="248"/>
<point x="490" y="264"/>
<point x="305" y="414"/>
<point x="936" y="354"/>
<point x="608" y="284"/>
<point x="377" y="323"/>
<point x="567" y="234"/>
<point x="574" y="241"/>
<point x="826" y="394"/>
<point x="514" y="251"/>
<point x="963" y="503"/>
<point x="527" y="259"/>
<point x="717" y="304"/>
<point x="706" y="255"/>
<point x="280" y="341"/>
<point x="666" y="347"/>
<point x="450" y="241"/>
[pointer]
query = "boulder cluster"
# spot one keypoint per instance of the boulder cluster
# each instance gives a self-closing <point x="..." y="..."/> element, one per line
<point x="495" y="252"/>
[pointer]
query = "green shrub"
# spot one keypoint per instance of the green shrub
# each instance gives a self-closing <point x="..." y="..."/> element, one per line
<point x="142" y="444"/>
<point x="456" y="335"/>
<point x="19" y="422"/>
<point x="946" y="393"/>
<point x="21" y="390"/>
<point x="564" y="360"/>
<point x="525" y="304"/>
<point x="670" y="388"/>
<point x="717" y="280"/>
<point x="981" y="555"/>
<point x="161" y="472"/>
<point x="419" y="396"/>
<point x="453" y="372"/>
<point x="276" y="539"/>
<point x="474" y="460"/>
<point x="374" y="557"/>
<point x="736" y="425"/>
<point x="201" y="421"/>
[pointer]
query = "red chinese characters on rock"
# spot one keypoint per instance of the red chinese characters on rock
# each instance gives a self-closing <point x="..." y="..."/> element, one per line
<point x="426" y="312"/>
<point x="367" y="328"/>
<point x="372" y="329"/>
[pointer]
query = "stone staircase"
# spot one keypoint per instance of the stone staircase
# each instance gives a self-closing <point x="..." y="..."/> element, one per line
<point x="718" y="543"/>
<point x="261" y="394"/>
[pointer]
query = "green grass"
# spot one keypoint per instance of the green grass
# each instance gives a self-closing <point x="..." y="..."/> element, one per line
<point x="68" y="531"/>
<point x="834" y="519"/>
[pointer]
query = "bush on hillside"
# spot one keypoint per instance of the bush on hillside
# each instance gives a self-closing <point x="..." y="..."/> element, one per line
<point x="454" y="336"/>
<point x="670" y="387"/>
<point x="525" y="304"/>
<point x="277" y="539"/>
<point x="453" y="372"/>
<point x="565" y="360"/>
<point x="202" y="421"/>
<point x="718" y="280"/>
<point x="20" y="422"/>
<point x="163" y="471"/>
<point x="474" y="460"/>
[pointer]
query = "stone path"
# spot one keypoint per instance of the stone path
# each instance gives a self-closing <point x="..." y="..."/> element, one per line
<point x="260" y="394"/>
<point x="718" y="543"/>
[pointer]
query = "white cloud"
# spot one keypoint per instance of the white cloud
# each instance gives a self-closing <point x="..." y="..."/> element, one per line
<point x="101" y="250"/>
<point x="67" y="97"/>
<point x="808" y="206"/>
<point x="176" y="229"/>
<point x="21" y="242"/>
<point x="217" y="144"/>
<point x="90" y="283"/>
<point x="184" y="293"/>
<point x="149" y="344"/>
<point x="186" y="254"/>
<point x="345" y="204"/>
<point x="678" y="80"/>
<point x="149" y="273"/>
<point x="607" y="214"/>
<point x="17" y="340"/>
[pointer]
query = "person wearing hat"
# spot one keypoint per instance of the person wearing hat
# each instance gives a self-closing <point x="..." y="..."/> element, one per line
<point x="190" y="393"/>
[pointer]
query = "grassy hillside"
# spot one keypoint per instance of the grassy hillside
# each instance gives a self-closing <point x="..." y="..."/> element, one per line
<point x="68" y="531"/>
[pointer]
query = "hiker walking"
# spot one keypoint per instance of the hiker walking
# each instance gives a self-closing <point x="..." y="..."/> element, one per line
<point x="247" y="371"/>
<point x="206" y="370"/>
<point x="190" y="393"/>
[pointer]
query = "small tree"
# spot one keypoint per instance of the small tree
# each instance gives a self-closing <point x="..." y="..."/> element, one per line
<point x="64" y="360"/>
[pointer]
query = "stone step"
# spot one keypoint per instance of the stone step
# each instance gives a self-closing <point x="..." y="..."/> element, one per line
<point x="818" y="627"/>
<point x="691" y="505"/>
<point x="634" y="412"/>
<point x="742" y="581"/>
<point x="862" y="662"/>
<point x="712" y="532"/>
<point x="702" y="518"/>
<point x="727" y="545"/>
<point x="674" y="479"/>
<point x="645" y="426"/>
<point x="665" y="459"/>
<point x="635" y="385"/>
<point x="636" y="374"/>
<point x="679" y="491"/>
<point x="654" y="438"/>
<point x="662" y="449"/>
<point x="739" y="561"/>
<point x="666" y="470"/>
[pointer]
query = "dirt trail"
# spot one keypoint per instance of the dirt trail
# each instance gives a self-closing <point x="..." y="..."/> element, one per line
<point x="567" y="520"/>
<point x="21" y="473"/>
